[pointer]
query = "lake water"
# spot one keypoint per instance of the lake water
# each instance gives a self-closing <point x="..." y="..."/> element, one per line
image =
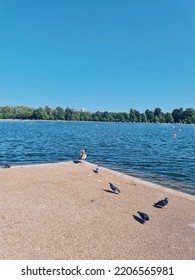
<point x="147" y="151"/>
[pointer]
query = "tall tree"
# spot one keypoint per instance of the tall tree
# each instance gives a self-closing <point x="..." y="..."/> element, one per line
<point x="157" y="112"/>
<point x="49" y="112"/>
<point x="143" y="118"/>
<point x="40" y="114"/>
<point x="169" y="118"/>
<point x="150" y="115"/>
<point x="7" y="112"/>
<point x="68" y="114"/>
<point x="132" y="115"/>
<point x="59" y="113"/>
<point x="177" y="115"/>
<point x="189" y="115"/>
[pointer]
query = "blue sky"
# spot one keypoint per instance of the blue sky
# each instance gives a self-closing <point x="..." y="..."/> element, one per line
<point x="106" y="55"/>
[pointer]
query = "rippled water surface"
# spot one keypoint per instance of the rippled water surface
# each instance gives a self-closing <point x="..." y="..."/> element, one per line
<point x="147" y="151"/>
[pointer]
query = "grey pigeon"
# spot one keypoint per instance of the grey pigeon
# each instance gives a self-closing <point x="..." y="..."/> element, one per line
<point x="114" y="188"/>
<point x="97" y="169"/>
<point x="144" y="216"/>
<point x="162" y="203"/>
<point x="6" y="166"/>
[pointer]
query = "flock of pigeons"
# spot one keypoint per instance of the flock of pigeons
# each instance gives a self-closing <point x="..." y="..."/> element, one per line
<point x="159" y="204"/>
<point x="143" y="216"/>
<point x="6" y="166"/>
<point x="115" y="189"/>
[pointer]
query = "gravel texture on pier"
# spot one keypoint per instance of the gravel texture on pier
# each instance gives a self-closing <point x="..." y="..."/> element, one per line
<point x="67" y="211"/>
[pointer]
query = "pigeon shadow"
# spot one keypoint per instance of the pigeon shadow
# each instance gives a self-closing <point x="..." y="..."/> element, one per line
<point x="76" y="161"/>
<point x="109" y="191"/>
<point x="95" y="171"/>
<point x="157" y="206"/>
<point x="138" y="219"/>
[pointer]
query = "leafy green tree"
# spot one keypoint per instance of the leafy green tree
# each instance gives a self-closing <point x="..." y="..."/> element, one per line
<point x="95" y="118"/>
<point x="132" y="115"/>
<point x="111" y="117"/>
<point x="120" y="117"/>
<point x="193" y="119"/>
<point x="138" y="116"/>
<point x="87" y="116"/>
<point x="68" y="114"/>
<point x="177" y="115"/>
<point x="189" y="115"/>
<point x="169" y="118"/>
<point x="59" y="113"/>
<point x="159" y="115"/>
<point x="7" y="112"/>
<point x="150" y="116"/>
<point x="105" y="116"/>
<point x="156" y="119"/>
<point x="76" y="116"/>
<point x="84" y="116"/>
<point x="54" y="114"/>
<point x="40" y="114"/>
<point x="49" y="112"/>
<point x="22" y="112"/>
<point x="157" y="112"/>
<point x="99" y="116"/>
<point x="143" y="118"/>
<point x="162" y="118"/>
<point x="126" y="117"/>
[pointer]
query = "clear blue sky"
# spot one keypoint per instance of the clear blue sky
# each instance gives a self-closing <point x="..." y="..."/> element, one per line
<point x="106" y="55"/>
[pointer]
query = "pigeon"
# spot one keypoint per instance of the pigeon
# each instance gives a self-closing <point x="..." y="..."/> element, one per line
<point x="97" y="169"/>
<point x="114" y="188"/>
<point x="82" y="155"/>
<point x="6" y="166"/>
<point x="144" y="216"/>
<point x="162" y="203"/>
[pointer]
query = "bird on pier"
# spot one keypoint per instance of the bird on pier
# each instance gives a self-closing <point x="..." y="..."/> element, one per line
<point x="161" y="203"/>
<point x="144" y="216"/>
<point x="6" y="166"/>
<point x="97" y="169"/>
<point x="114" y="188"/>
<point x="82" y="155"/>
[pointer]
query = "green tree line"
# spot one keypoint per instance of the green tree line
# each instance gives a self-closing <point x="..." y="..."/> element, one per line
<point x="149" y="116"/>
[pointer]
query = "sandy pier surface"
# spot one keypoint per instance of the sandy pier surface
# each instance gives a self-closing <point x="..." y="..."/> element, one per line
<point x="67" y="211"/>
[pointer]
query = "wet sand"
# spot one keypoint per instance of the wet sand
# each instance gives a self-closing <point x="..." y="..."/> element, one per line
<point x="67" y="211"/>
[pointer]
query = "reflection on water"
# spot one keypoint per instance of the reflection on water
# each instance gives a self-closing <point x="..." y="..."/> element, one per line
<point x="148" y="151"/>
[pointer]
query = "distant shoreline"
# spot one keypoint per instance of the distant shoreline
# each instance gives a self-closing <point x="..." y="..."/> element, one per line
<point x="69" y="114"/>
<point x="27" y="120"/>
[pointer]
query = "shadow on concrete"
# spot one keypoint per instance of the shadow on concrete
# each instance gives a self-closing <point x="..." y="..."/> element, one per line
<point x="109" y="191"/>
<point x="76" y="161"/>
<point x="138" y="219"/>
